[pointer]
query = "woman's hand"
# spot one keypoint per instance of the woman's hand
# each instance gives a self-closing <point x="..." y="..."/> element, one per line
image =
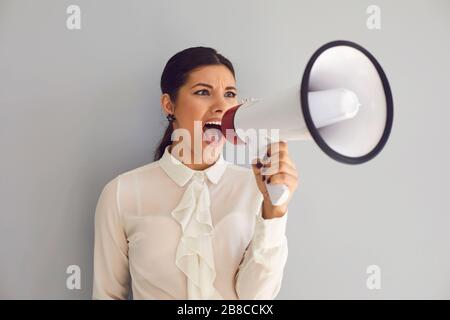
<point x="278" y="168"/>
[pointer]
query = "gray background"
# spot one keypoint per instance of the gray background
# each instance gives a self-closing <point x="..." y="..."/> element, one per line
<point x="79" y="107"/>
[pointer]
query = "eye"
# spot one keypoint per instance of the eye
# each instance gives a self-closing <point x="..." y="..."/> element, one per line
<point x="202" y="92"/>
<point x="230" y="94"/>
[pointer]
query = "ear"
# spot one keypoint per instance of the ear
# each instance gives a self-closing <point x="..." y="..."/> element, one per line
<point x="166" y="104"/>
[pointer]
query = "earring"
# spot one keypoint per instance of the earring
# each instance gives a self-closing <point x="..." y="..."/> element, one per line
<point x="170" y="117"/>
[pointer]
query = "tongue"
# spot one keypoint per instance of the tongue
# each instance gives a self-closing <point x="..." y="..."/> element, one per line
<point x="212" y="135"/>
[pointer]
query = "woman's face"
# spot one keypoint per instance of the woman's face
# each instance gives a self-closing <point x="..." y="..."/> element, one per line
<point x="207" y="94"/>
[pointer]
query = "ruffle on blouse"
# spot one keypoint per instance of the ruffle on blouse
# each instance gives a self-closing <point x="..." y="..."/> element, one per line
<point x="194" y="256"/>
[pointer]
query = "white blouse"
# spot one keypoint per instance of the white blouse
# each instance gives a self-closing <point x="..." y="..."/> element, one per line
<point x="176" y="233"/>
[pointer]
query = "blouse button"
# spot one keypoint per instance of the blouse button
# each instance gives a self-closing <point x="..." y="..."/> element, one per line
<point x="199" y="176"/>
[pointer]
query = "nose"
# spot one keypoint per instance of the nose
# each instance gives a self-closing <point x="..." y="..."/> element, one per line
<point x="218" y="110"/>
<point x="219" y="107"/>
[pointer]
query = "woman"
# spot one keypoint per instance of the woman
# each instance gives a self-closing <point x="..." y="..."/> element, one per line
<point x="182" y="229"/>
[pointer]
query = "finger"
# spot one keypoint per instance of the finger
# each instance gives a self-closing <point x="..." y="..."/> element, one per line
<point x="284" y="178"/>
<point x="256" y="166"/>
<point x="279" y="167"/>
<point x="260" y="179"/>
<point x="280" y="156"/>
<point x="275" y="147"/>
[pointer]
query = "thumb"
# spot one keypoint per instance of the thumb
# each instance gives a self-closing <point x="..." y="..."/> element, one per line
<point x="256" y="166"/>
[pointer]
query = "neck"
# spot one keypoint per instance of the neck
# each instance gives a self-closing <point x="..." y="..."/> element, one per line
<point x="194" y="166"/>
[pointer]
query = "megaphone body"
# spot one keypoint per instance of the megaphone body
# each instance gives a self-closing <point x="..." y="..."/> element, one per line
<point x="344" y="104"/>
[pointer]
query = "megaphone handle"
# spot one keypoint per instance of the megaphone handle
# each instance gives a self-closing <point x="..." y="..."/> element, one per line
<point x="278" y="193"/>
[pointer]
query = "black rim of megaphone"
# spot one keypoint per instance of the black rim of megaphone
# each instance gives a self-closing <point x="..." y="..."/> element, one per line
<point x="307" y="115"/>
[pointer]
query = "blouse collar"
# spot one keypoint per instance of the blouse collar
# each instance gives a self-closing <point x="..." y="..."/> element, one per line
<point x="181" y="174"/>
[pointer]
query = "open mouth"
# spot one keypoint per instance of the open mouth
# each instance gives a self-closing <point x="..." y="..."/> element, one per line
<point x="212" y="126"/>
<point x="212" y="133"/>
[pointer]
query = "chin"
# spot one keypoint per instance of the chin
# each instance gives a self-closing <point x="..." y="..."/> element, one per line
<point x="212" y="150"/>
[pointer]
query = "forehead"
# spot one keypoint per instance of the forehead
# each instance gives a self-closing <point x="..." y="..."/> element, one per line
<point x="215" y="75"/>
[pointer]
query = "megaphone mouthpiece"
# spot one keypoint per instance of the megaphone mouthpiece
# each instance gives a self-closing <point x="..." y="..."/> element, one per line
<point x="332" y="106"/>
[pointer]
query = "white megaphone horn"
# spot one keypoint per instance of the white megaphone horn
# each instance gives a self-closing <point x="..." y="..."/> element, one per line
<point x="344" y="103"/>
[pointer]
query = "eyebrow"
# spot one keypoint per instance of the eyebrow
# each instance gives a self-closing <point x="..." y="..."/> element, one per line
<point x="210" y="86"/>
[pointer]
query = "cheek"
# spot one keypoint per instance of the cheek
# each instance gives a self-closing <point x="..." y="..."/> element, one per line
<point x="193" y="109"/>
<point x="189" y="112"/>
<point x="233" y="102"/>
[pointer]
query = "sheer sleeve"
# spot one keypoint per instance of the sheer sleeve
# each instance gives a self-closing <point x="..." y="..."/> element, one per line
<point x="111" y="272"/>
<point x="261" y="269"/>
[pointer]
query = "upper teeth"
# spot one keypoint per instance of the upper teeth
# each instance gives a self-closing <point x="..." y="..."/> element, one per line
<point x="214" y="122"/>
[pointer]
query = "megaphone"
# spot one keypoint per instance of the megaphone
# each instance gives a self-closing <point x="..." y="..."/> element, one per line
<point x="344" y="103"/>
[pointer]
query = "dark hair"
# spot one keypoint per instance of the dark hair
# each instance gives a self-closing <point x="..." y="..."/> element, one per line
<point x="175" y="74"/>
